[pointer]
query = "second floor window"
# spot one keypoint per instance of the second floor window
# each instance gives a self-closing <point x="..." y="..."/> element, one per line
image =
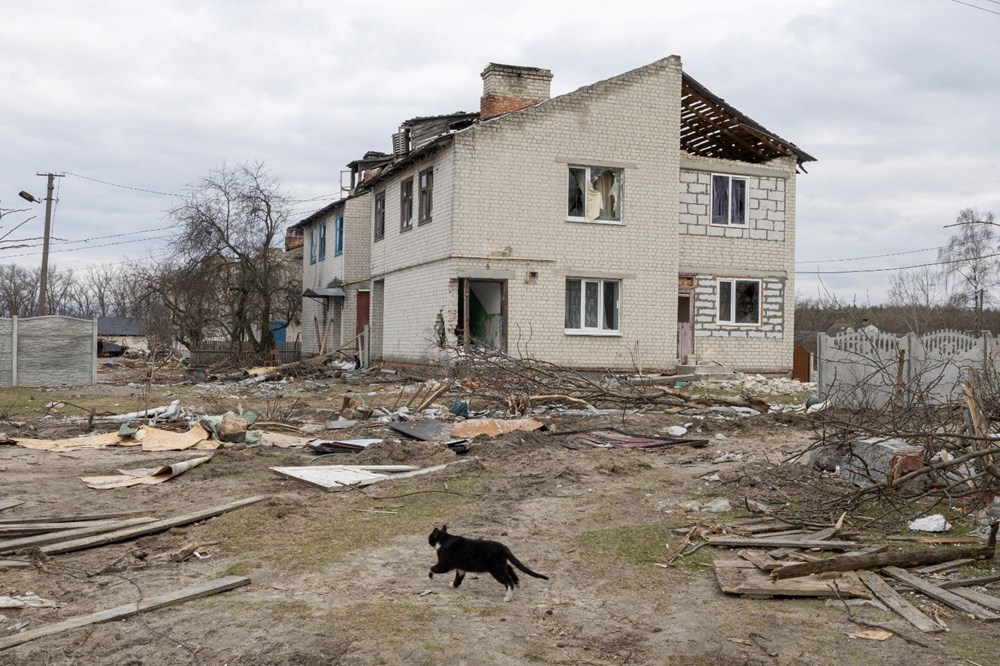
<point x="729" y="200"/>
<point x="380" y="216"/>
<point x="595" y="194"/>
<point x="322" y="241"/>
<point x="312" y="245"/>
<point x="426" y="195"/>
<point x="406" y="204"/>
<point x="338" y="236"/>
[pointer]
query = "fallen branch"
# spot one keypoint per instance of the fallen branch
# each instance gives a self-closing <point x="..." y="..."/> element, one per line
<point x="879" y="560"/>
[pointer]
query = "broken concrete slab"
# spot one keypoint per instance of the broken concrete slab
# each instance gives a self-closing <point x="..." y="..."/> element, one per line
<point x="873" y="460"/>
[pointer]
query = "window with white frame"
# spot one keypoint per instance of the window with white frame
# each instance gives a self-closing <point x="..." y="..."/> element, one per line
<point x="739" y="302"/>
<point x="595" y="194"/>
<point x="729" y="200"/>
<point x="592" y="306"/>
<point x="321" y="254"/>
<point x="312" y="245"/>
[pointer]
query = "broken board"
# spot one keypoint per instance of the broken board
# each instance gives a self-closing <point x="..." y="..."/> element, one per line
<point x="619" y="439"/>
<point x="744" y="578"/>
<point x="145" y="605"/>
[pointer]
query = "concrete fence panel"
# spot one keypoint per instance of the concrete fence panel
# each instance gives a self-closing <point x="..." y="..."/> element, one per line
<point x="48" y="351"/>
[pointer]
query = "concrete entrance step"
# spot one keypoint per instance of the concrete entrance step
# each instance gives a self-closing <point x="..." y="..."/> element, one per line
<point x="696" y="372"/>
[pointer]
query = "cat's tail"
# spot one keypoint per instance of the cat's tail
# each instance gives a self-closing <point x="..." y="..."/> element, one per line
<point x="517" y="563"/>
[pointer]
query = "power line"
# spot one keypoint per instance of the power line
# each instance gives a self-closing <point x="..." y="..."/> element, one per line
<point x="64" y="241"/>
<point x="982" y="9"/>
<point x="898" y="268"/>
<point x="871" y="256"/>
<point x="124" y="187"/>
<point x="88" y="247"/>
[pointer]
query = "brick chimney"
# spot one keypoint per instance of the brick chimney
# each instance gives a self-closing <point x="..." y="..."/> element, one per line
<point x="509" y="88"/>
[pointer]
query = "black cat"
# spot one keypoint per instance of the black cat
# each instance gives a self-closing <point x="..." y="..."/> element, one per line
<point x="477" y="555"/>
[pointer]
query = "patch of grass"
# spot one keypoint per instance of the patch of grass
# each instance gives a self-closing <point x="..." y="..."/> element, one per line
<point x="390" y="622"/>
<point x="309" y="541"/>
<point x="240" y="569"/>
<point x="633" y="545"/>
<point x="283" y="609"/>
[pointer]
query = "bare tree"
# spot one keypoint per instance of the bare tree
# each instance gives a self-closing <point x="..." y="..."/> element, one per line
<point x="970" y="259"/>
<point x="916" y="295"/>
<point x="231" y="222"/>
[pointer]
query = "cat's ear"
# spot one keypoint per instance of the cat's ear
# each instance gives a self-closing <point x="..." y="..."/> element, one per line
<point x="444" y="529"/>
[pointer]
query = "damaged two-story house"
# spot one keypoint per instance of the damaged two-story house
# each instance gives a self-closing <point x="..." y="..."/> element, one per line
<point x="638" y="220"/>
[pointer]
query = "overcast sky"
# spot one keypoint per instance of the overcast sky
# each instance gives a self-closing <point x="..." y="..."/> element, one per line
<point x="898" y="99"/>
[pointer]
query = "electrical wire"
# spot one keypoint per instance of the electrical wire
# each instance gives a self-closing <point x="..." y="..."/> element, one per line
<point x="124" y="187"/>
<point x="898" y="268"/>
<point x="982" y="9"/>
<point x="89" y="247"/>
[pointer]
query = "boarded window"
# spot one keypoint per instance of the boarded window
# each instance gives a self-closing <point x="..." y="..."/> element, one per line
<point x="594" y="194"/>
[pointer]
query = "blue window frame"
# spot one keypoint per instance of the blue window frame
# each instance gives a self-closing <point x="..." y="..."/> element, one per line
<point x="312" y="245"/>
<point x="322" y="241"/>
<point x="338" y="236"/>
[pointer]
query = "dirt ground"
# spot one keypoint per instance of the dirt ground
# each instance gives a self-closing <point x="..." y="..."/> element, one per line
<point x="341" y="578"/>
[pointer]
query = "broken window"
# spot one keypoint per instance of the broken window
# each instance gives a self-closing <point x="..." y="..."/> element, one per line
<point x="380" y="216"/>
<point x="338" y="236"/>
<point x="426" y="195"/>
<point x="406" y="204"/>
<point x="322" y="241"/>
<point x="595" y="194"/>
<point x="729" y="200"/>
<point x="592" y="305"/>
<point x="739" y="301"/>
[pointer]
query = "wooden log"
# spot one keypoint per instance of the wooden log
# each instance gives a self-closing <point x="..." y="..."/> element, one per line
<point x="160" y="601"/>
<point x="878" y="560"/>
<point x="942" y="595"/>
<point x="736" y="542"/>
<point x="896" y="602"/>
<point x="28" y="529"/>
<point x="14" y="545"/>
<point x="150" y="528"/>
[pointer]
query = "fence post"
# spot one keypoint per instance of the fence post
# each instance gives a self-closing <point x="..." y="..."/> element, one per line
<point x="13" y="351"/>
<point x="93" y="374"/>
<point x="366" y="336"/>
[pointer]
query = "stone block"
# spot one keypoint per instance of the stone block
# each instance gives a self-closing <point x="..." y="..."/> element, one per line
<point x="873" y="460"/>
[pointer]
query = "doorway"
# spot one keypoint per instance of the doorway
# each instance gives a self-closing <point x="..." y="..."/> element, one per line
<point x="482" y="314"/>
<point x="362" y="319"/>
<point x="685" y="318"/>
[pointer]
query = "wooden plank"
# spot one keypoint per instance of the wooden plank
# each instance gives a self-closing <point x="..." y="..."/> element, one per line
<point x="965" y="582"/>
<point x="146" y="605"/>
<point x="981" y="598"/>
<point x="14" y="545"/>
<point x="744" y="578"/>
<point x="825" y="533"/>
<point x="74" y="518"/>
<point x="894" y="600"/>
<point x="761" y="560"/>
<point x="944" y="596"/>
<point x="14" y="564"/>
<point x="27" y="529"/>
<point x="149" y="528"/>
<point x="944" y="566"/>
<point x="9" y="503"/>
<point x="736" y="542"/>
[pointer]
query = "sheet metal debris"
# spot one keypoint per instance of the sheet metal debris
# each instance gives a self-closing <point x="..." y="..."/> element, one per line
<point x="341" y="446"/>
<point x="340" y="477"/>
<point x="145" y="476"/>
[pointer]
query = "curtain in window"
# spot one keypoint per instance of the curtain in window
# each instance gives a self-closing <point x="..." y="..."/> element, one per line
<point x="591" y="304"/>
<point x="610" y="322"/>
<point x="720" y="200"/>
<point x="572" y="304"/>
<point x="737" y="201"/>
<point x="606" y="189"/>
<point x="747" y="302"/>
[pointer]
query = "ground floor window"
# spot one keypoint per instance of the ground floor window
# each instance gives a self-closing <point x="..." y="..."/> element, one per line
<point x="739" y="301"/>
<point x="592" y="306"/>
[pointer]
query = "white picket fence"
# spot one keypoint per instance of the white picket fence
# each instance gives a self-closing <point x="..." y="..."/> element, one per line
<point x="869" y="367"/>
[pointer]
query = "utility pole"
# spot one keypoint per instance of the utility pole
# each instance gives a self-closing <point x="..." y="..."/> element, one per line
<point x="43" y="279"/>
